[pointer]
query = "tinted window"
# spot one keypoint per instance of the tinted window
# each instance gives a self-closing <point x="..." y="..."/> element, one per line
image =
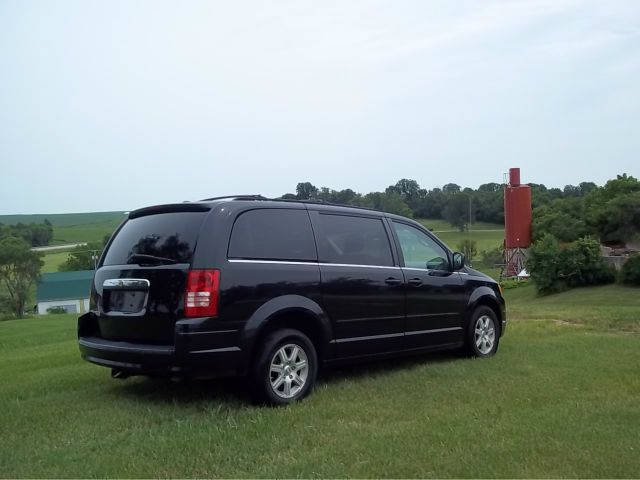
<point x="419" y="249"/>
<point x="353" y="240"/>
<point x="273" y="234"/>
<point x="166" y="235"/>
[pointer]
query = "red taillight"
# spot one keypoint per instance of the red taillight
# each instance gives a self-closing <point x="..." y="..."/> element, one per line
<point x="201" y="295"/>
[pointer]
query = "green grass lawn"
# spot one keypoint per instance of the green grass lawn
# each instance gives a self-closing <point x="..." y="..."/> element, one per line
<point x="486" y="235"/>
<point x="604" y="308"/>
<point x="560" y="399"/>
<point x="439" y="225"/>
<point x="53" y="260"/>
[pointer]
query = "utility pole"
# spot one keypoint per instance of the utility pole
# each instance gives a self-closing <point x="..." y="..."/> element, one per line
<point x="469" y="212"/>
<point x="94" y="257"/>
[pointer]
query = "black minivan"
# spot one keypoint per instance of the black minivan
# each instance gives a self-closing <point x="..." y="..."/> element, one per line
<point x="273" y="289"/>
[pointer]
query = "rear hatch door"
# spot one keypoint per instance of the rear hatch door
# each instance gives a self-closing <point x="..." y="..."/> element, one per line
<point x="138" y="290"/>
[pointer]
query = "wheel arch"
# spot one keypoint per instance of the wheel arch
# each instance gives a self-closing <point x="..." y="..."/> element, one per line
<point x="483" y="296"/>
<point x="288" y="311"/>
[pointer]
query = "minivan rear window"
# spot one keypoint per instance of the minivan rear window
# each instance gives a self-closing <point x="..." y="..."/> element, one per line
<point x="273" y="234"/>
<point x="169" y="237"/>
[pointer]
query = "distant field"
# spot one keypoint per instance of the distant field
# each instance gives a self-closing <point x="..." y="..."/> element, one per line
<point x="64" y="219"/>
<point x="439" y="225"/>
<point x="558" y="400"/>
<point x="486" y="235"/>
<point x="53" y="260"/>
<point x="73" y="227"/>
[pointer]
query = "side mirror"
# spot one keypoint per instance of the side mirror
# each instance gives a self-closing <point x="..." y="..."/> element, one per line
<point x="458" y="261"/>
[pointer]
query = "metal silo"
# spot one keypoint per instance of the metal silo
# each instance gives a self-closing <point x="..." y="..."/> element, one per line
<point x="517" y="223"/>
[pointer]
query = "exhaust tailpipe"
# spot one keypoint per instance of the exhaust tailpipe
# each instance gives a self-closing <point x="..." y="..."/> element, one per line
<point x="119" y="374"/>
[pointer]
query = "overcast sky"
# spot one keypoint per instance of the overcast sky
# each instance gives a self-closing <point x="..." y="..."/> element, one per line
<point x="117" y="105"/>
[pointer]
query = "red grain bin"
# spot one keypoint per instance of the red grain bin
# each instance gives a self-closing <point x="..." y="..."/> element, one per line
<point x="517" y="212"/>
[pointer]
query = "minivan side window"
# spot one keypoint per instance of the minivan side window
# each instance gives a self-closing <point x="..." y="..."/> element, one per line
<point x="353" y="240"/>
<point x="419" y="249"/>
<point x="273" y="234"/>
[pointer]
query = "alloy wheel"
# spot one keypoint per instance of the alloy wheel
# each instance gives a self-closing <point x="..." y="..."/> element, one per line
<point x="485" y="334"/>
<point x="288" y="370"/>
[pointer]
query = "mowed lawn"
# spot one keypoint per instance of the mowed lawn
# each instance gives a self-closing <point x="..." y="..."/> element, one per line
<point x="561" y="399"/>
<point x="486" y="235"/>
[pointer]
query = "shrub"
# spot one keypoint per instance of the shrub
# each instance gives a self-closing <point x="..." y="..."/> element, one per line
<point x="630" y="274"/>
<point x="555" y="267"/>
<point x="560" y="224"/>
<point x="56" y="310"/>
<point x="469" y="249"/>
<point x="513" y="283"/>
<point x="495" y="256"/>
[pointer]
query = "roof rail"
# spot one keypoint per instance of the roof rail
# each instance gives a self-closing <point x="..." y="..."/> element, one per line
<point x="239" y="197"/>
<point x="319" y="201"/>
<point x="313" y="201"/>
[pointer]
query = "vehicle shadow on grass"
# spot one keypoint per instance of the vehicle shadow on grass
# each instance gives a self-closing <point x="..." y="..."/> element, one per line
<point x="228" y="391"/>
<point x="390" y="365"/>
<point x="233" y="392"/>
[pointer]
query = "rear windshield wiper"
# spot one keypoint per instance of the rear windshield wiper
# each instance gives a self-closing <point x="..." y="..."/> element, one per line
<point x="143" y="259"/>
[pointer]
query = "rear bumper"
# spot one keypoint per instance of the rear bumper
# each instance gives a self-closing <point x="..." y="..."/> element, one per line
<point x="194" y="353"/>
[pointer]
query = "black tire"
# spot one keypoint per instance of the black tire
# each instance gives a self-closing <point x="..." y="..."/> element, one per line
<point x="476" y="345"/>
<point x="274" y="346"/>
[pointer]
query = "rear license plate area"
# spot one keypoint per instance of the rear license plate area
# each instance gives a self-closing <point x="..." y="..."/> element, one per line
<point x="126" y="301"/>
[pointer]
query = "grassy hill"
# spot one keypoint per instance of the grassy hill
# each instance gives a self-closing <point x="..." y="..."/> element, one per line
<point x="73" y="227"/>
<point x="560" y="399"/>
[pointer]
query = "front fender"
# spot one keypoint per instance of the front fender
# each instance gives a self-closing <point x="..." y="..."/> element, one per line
<point x="485" y="295"/>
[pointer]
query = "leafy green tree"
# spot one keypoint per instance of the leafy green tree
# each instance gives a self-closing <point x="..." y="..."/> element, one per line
<point x="542" y="264"/>
<point x="451" y="188"/>
<point x="345" y="197"/>
<point x="306" y="190"/>
<point x="431" y="204"/>
<point x="587" y="187"/>
<point x="559" y="224"/>
<point x="488" y="203"/>
<point x="456" y="211"/>
<point x="493" y="256"/>
<point x="630" y="273"/>
<point x="408" y="189"/>
<point x="618" y="218"/>
<point x="490" y="188"/>
<point x="84" y="257"/>
<point x="584" y="264"/>
<point x="621" y="185"/>
<point x="19" y="269"/>
<point x="390" y="203"/>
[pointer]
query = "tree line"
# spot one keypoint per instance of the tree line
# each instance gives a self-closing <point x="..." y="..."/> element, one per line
<point x="35" y="234"/>
<point x="567" y="233"/>
<point x="451" y="202"/>
<point x="611" y="213"/>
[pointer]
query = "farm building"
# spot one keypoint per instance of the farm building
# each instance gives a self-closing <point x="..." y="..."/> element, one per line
<point x="64" y="290"/>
